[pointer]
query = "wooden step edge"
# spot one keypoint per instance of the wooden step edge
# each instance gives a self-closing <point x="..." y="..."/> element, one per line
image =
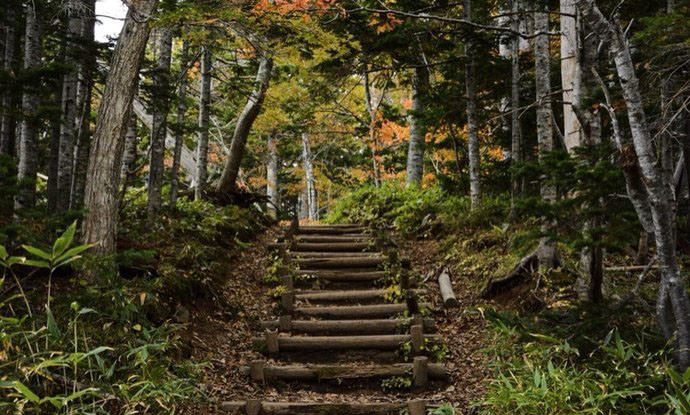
<point x="260" y="371"/>
<point x="272" y="343"/>
<point x="346" y="295"/>
<point x="255" y="406"/>
<point x="357" y="311"/>
<point x="344" y="327"/>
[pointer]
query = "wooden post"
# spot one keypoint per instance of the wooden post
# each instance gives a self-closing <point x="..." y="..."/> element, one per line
<point x="285" y="323"/>
<point x="417" y="334"/>
<point x="416" y="407"/>
<point x="420" y="371"/>
<point x="253" y="406"/>
<point x="287" y="300"/>
<point x="404" y="281"/>
<point x="272" y="342"/>
<point x="287" y="281"/>
<point x="446" y="289"/>
<point x="256" y="371"/>
<point x="418" y="320"/>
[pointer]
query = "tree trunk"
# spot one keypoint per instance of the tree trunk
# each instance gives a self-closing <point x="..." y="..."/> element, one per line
<point x="415" y="150"/>
<point x="7" y="121"/>
<point x="180" y="128"/>
<point x="160" y="107"/>
<point x="272" y="176"/>
<point x="472" y="137"/>
<point x="373" y="136"/>
<point x="548" y="257"/>
<point x="204" y="108"/>
<point x="244" y="125"/>
<point x="84" y="91"/>
<point x="68" y="129"/>
<point x="515" y="133"/>
<point x="659" y="192"/>
<point x="100" y="224"/>
<point x="129" y="154"/>
<point x="28" y="154"/>
<point x="312" y="197"/>
<point x="54" y="153"/>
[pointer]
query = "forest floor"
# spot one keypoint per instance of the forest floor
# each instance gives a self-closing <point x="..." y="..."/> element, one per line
<point x="222" y="338"/>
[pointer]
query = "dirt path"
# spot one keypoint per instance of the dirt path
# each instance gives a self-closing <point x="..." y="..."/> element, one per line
<point x="332" y="343"/>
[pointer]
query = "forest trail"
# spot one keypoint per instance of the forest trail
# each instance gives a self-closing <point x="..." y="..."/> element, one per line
<point x="350" y="317"/>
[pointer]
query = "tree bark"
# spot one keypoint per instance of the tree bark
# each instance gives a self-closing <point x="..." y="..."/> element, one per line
<point x="244" y="125"/>
<point x="100" y="224"/>
<point x="180" y="128"/>
<point x="659" y="192"/>
<point x="129" y="154"/>
<point x="84" y="93"/>
<point x="68" y="129"/>
<point x="516" y="132"/>
<point x="28" y="153"/>
<point x="312" y="197"/>
<point x="160" y="108"/>
<point x="471" y="109"/>
<point x="204" y="109"/>
<point x="548" y="257"/>
<point x="373" y="136"/>
<point x="7" y="121"/>
<point x="415" y="150"/>
<point x="272" y="176"/>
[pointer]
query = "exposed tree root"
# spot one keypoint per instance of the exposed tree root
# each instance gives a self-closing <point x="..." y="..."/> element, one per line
<point x="527" y="265"/>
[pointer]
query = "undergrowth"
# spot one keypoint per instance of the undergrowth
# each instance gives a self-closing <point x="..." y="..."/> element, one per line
<point x="112" y="345"/>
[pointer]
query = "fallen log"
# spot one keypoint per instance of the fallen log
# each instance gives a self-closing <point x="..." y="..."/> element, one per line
<point x="311" y="343"/>
<point x="631" y="268"/>
<point x="319" y="408"/>
<point x="355" y="312"/>
<point x="525" y="267"/>
<point x="261" y="371"/>
<point x="446" y="289"/>
<point x="344" y="327"/>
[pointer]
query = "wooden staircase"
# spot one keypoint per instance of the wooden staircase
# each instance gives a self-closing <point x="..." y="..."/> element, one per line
<point x="338" y="324"/>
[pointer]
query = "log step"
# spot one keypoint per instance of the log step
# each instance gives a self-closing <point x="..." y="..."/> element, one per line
<point x="357" y="311"/>
<point x="297" y="255"/>
<point x="345" y="327"/>
<point x="346" y="295"/>
<point x="330" y="230"/>
<point x="311" y="343"/>
<point x="260" y="371"/>
<point x="323" y="247"/>
<point x="344" y="276"/>
<point x="335" y="263"/>
<point x="254" y="407"/>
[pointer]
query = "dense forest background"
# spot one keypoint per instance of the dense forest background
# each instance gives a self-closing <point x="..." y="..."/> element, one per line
<point x="541" y="145"/>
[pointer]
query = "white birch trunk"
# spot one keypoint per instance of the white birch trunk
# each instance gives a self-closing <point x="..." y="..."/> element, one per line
<point x="472" y="136"/>
<point x="415" y="150"/>
<point x="68" y="129"/>
<point x="312" y="197"/>
<point x="28" y="154"/>
<point x="6" y="119"/>
<point x="673" y="300"/>
<point x="548" y="257"/>
<point x="160" y="108"/>
<point x="272" y="176"/>
<point x="179" y="128"/>
<point x="515" y="130"/>
<point x="202" y="135"/>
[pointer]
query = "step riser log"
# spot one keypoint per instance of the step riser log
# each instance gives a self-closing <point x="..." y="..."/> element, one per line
<point x="260" y="371"/>
<point x="309" y="343"/>
<point x="349" y="327"/>
<point x="348" y="295"/>
<point x="355" y="312"/>
<point x="335" y="263"/>
<point x="288" y="408"/>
